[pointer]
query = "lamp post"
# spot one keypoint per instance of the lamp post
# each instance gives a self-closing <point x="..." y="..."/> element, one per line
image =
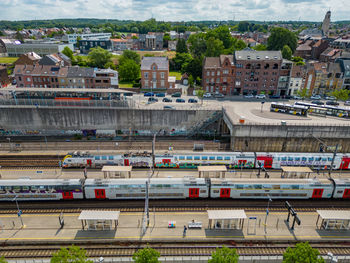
<point x="267" y="212"/>
<point x="19" y="213"/>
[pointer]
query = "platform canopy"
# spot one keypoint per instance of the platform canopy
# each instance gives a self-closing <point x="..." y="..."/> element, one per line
<point x="295" y="171"/>
<point x="116" y="171"/>
<point x="334" y="214"/>
<point x="99" y="215"/>
<point x="218" y="170"/>
<point x="226" y="214"/>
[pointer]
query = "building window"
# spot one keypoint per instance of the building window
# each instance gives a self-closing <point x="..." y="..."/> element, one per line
<point x="154" y="67"/>
<point x="154" y="75"/>
<point x="238" y="83"/>
<point x="218" y="73"/>
<point x="217" y="80"/>
<point x="162" y="83"/>
<point x="162" y="75"/>
<point x="145" y="75"/>
<point x="225" y="71"/>
<point x="225" y="79"/>
<point x="212" y="80"/>
<point x="213" y="73"/>
<point x="208" y="73"/>
<point x="146" y="83"/>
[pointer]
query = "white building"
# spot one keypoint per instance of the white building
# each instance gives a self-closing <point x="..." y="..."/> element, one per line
<point x="72" y="38"/>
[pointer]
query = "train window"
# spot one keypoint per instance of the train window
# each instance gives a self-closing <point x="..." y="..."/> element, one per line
<point x="297" y="158"/>
<point x="211" y="157"/>
<point x="182" y="157"/>
<point x="278" y="159"/>
<point x="227" y="158"/>
<point x="284" y="158"/>
<point x="203" y="191"/>
<point x="339" y="192"/>
<point x="97" y="158"/>
<point x="329" y="159"/>
<point x="197" y="157"/>
<point x="304" y="159"/>
<point x="324" y="159"/>
<point x="215" y="191"/>
<point x="25" y="188"/>
<point x="258" y="186"/>
<point x="69" y="160"/>
<point x="34" y="187"/>
<point x="204" y="157"/>
<point x="188" y="157"/>
<point x="318" y="158"/>
<point x="104" y="158"/>
<point x="311" y="159"/>
<point x="290" y="158"/>
<point x="110" y="157"/>
<point x="277" y="186"/>
<point x="295" y="186"/>
<point x="8" y="188"/>
<point x="219" y="158"/>
<point x="248" y="186"/>
<point x="16" y="188"/>
<point x="239" y="186"/>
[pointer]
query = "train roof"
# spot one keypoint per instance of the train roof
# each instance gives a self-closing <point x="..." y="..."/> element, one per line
<point x="143" y="181"/>
<point x="295" y="153"/>
<point x="344" y="181"/>
<point x="41" y="182"/>
<point x="270" y="181"/>
<point x="215" y="153"/>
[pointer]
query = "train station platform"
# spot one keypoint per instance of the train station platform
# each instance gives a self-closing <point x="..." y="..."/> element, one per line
<point x="46" y="228"/>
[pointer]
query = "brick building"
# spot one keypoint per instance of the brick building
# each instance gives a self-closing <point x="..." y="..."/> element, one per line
<point x="155" y="72"/>
<point x="4" y="78"/>
<point x="247" y="72"/>
<point x="29" y="58"/>
<point x="106" y="78"/>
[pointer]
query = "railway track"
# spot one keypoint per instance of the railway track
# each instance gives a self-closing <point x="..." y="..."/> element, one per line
<point x="186" y="249"/>
<point x="76" y="206"/>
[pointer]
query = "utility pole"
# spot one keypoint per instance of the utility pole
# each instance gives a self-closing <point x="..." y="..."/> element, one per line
<point x="267" y="212"/>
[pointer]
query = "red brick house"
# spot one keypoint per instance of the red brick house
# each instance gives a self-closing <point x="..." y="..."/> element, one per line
<point x="155" y="73"/>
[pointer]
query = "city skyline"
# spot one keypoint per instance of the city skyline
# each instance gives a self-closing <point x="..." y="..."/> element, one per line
<point x="171" y="10"/>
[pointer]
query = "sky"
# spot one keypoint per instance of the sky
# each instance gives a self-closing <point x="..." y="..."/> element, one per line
<point x="176" y="10"/>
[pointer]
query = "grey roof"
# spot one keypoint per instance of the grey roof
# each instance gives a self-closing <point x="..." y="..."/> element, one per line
<point x="161" y="62"/>
<point x="252" y="54"/>
<point x="346" y="64"/>
<point x="74" y="72"/>
<point x="212" y="62"/>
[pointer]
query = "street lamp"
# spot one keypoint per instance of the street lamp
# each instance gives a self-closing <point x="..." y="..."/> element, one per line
<point x="19" y="213"/>
<point x="267" y="212"/>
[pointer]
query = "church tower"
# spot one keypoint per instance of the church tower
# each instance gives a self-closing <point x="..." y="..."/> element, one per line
<point x="326" y="23"/>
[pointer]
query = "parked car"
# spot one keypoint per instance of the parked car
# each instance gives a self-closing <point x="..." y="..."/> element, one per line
<point x="218" y="95"/>
<point x="150" y="100"/>
<point x="288" y="97"/>
<point x="167" y="100"/>
<point x="167" y="107"/>
<point x="317" y="102"/>
<point x="296" y="97"/>
<point x="192" y="101"/>
<point x="315" y="97"/>
<point x="248" y="96"/>
<point x="330" y="98"/>
<point x="207" y="95"/>
<point x="260" y="96"/>
<point x="347" y="103"/>
<point x="176" y="95"/>
<point x="332" y="102"/>
<point x="148" y="94"/>
<point x="160" y="95"/>
<point x="180" y="101"/>
<point x="274" y="96"/>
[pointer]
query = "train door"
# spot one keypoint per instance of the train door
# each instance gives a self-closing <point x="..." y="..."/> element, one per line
<point x="346" y="193"/>
<point x="317" y="193"/>
<point x="344" y="163"/>
<point x="193" y="193"/>
<point x="126" y="162"/>
<point x="266" y="161"/>
<point x="88" y="162"/>
<point x="100" y="193"/>
<point x="67" y="195"/>
<point x="225" y="192"/>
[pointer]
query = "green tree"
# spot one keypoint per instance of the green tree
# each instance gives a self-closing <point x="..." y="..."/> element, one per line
<point x="68" y="52"/>
<point x="215" y="47"/>
<point x="224" y="255"/>
<point x="166" y="39"/>
<point x="99" y="57"/>
<point x="198" y="44"/>
<point x="341" y="94"/>
<point x="146" y="255"/>
<point x="181" y="61"/>
<point x="286" y="52"/>
<point x="260" y="47"/>
<point x="78" y="44"/>
<point x="200" y="94"/>
<point x="129" y="70"/>
<point x="110" y="65"/>
<point x="129" y="54"/>
<point x="303" y="93"/>
<point x="222" y="33"/>
<point x="193" y="67"/>
<point x="2" y="260"/>
<point x="280" y="37"/>
<point x="72" y="254"/>
<point x="181" y="46"/>
<point x="302" y="253"/>
<point x="243" y="26"/>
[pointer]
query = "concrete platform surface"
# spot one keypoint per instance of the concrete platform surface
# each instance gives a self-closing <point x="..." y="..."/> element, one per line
<point x="45" y="227"/>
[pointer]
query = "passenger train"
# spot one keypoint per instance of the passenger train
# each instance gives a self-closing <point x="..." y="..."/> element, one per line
<point x="192" y="160"/>
<point x="173" y="188"/>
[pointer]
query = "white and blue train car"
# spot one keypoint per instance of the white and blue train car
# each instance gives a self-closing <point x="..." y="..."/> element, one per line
<point x="48" y="189"/>
<point x="160" y="188"/>
<point x="273" y="188"/>
<point x="342" y="188"/>
<point x="91" y="161"/>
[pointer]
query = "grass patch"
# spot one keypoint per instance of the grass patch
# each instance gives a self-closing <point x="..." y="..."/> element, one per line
<point x="169" y="54"/>
<point x="8" y="60"/>
<point x="125" y="84"/>
<point x="176" y="74"/>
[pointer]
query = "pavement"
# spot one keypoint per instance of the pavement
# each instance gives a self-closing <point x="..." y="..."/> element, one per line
<point x="45" y="227"/>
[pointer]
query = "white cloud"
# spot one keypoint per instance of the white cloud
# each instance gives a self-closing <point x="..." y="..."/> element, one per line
<point x="175" y="10"/>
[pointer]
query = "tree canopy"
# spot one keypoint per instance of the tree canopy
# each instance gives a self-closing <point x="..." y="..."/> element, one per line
<point x="280" y="37"/>
<point x="129" y="70"/>
<point x="287" y="52"/>
<point x="224" y="255"/>
<point x="302" y="253"/>
<point x="181" y="46"/>
<point x="2" y="260"/>
<point x="72" y="254"/>
<point x="99" y="57"/>
<point x="146" y="255"/>
<point x="129" y="54"/>
<point x="341" y="94"/>
<point x="68" y="52"/>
